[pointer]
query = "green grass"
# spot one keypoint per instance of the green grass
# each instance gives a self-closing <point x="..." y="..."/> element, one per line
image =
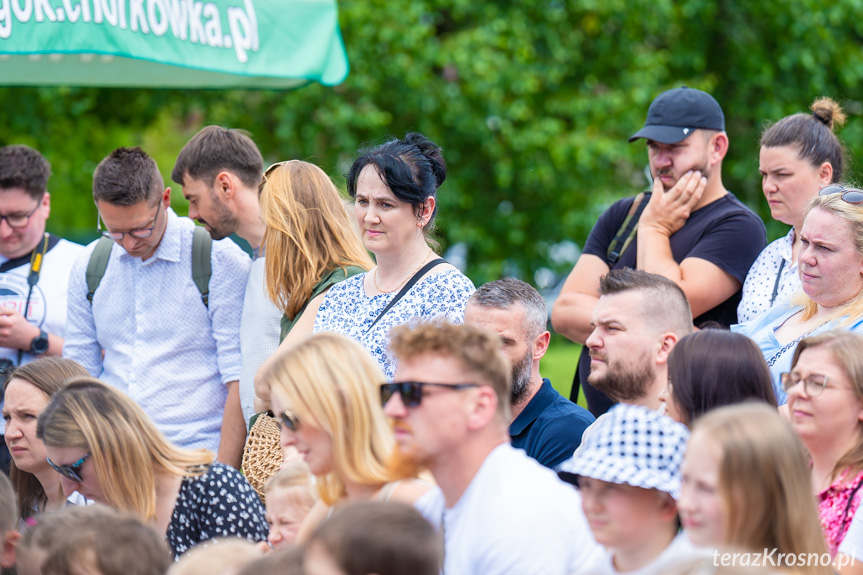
<point x="558" y="365"/>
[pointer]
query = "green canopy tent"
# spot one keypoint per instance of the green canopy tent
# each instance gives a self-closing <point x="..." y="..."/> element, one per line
<point x="275" y="44"/>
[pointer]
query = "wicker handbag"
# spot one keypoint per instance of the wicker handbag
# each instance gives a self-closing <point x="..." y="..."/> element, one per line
<point x="262" y="456"/>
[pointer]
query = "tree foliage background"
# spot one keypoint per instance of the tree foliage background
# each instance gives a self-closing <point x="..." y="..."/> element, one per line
<point x="532" y="101"/>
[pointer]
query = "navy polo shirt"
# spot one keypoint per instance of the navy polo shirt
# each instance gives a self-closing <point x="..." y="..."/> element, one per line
<point x="550" y="427"/>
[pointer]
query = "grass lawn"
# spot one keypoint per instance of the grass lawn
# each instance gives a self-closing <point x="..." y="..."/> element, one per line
<point x="558" y="365"/>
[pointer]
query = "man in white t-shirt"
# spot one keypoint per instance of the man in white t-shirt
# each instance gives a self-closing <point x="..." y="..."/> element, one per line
<point x="32" y="319"/>
<point x="220" y="172"/>
<point x="499" y="511"/>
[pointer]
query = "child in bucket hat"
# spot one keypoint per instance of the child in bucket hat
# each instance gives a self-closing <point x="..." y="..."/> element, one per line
<point x="628" y="473"/>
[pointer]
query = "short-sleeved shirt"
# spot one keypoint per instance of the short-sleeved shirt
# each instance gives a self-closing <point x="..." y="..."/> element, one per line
<point x="550" y="427"/>
<point x="347" y="309"/>
<point x="219" y="503"/>
<point x="772" y="279"/>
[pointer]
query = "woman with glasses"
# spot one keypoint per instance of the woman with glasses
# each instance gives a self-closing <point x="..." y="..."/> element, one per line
<point x="104" y="446"/>
<point x="799" y="154"/>
<point x="395" y="188"/>
<point x="326" y="392"/>
<point x="825" y="400"/>
<point x="27" y="391"/>
<point x="830" y="266"/>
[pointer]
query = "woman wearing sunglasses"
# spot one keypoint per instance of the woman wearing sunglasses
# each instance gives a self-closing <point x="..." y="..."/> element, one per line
<point x="104" y="446"/>
<point x="830" y="266"/>
<point x="825" y="400"/>
<point x="326" y="391"/>
<point x="799" y="154"/>
<point x="28" y="390"/>
<point x="395" y="188"/>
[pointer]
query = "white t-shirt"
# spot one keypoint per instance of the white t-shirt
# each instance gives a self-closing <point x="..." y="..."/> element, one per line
<point x="47" y="307"/>
<point x="852" y="545"/>
<point x="515" y="517"/>
<point x="680" y="552"/>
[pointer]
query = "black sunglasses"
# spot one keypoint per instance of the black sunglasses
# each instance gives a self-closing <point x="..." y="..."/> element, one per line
<point x="73" y="471"/>
<point x="289" y="420"/>
<point x="411" y="392"/>
<point x="850" y="195"/>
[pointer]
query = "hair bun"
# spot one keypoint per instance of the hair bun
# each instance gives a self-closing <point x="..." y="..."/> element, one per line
<point x="828" y="112"/>
<point x="432" y="152"/>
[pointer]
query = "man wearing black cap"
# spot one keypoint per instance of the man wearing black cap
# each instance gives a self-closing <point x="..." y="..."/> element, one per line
<point x="691" y="230"/>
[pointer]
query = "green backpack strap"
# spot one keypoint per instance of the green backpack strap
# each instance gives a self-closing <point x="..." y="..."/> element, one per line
<point x="627" y="230"/>
<point x="202" y="269"/>
<point x="97" y="265"/>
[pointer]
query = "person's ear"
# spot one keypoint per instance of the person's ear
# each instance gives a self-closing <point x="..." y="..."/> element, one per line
<point x="7" y="551"/>
<point x="427" y="211"/>
<point x="166" y="198"/>
<point x="540" y="344"/>
<point x="225" y="184"/>
<point x="483" y="407"/>
<point x="825" y="174"/>
<point x="666" y="344"/>
<point x="46" y="204"/>
<point x="718" y="147"/>
<point x="667" y="507"/>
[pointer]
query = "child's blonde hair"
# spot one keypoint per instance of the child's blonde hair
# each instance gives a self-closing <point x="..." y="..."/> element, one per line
<point x="296" y="478"/>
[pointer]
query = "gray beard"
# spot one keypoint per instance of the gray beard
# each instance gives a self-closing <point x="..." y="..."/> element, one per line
<point x="521" y="379"/>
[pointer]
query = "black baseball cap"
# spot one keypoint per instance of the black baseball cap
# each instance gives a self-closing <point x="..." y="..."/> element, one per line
<point x="675" y="114"/>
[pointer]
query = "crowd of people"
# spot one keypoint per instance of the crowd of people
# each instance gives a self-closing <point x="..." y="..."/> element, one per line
<point x="345" y="401"/>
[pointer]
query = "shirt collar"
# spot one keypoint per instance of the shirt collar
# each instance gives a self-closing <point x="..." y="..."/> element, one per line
<point x="543" y="398"/>
<point x="169" y="247"/>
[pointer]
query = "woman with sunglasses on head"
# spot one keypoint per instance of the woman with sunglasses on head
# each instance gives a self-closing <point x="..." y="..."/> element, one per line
<point x="28" y="389"/>
<point x="104" y="446"/>
<point x="831" y="273"/>
<point x="825" y="400"/>
<point x="326" y="391"/>
<point x="799" y="155"/>
<point x="395" y="188"/>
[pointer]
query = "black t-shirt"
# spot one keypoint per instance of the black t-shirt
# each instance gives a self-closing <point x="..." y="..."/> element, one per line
<point x="724" y="232"/>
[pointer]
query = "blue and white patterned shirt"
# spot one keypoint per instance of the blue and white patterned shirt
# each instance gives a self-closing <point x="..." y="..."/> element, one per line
<point x="163" y="347"/>
<point x="774" y="269"/>
<point x="348" y="310"/>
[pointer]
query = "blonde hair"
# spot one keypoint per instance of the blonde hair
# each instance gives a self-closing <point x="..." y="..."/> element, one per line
<point x="478" y="351"/>
<point x="853" y="214"/>
<point x="333" y="382"/>
<point x="125" y="446"/>
<point x="847" y="350"/>
<point x="295" y="478"/>
<point x="308" y="233"/>
<point x="226" y="556"/>
<point x="764" y="482"/>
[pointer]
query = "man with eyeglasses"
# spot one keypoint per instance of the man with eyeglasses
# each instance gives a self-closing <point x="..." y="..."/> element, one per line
<point x="174" y="354"/>
<point x="220" y="173"/>
<point x="499" y="510"/>
<point x="34" y="266"/>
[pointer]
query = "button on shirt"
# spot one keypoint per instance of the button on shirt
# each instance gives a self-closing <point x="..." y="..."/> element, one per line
<point x="163" y="347"/>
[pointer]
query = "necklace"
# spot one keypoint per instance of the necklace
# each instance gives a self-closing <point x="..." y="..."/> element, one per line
<point x="403" y="282"/>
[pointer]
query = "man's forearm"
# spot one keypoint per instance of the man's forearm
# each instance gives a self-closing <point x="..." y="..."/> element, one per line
<point x="655" y="256"/>
<point x="233" y="429"/>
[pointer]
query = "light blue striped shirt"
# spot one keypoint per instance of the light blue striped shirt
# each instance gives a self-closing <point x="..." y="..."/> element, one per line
<point x="163" y="347"/>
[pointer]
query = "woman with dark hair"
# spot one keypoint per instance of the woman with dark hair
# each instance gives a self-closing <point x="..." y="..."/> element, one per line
<point x="394" y="187"/>
<point x="712" y="368"/>
<point x="799" y="155"/>
<point x="28" y="390"/>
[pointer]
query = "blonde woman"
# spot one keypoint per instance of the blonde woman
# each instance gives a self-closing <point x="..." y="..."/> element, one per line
<point x="326" y="392"/>
<point x="104" y="446"/>
<point x="745" y="487"/>
<point x="311" y="244"/>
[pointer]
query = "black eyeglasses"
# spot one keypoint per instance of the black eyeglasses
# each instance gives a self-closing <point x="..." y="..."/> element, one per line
<point x="850" y="195"/>
<point x="289" y="420"/>
<point x="140" y="233"/>
<point x="813" y="384"/>
<point x="411" y="392"/>
<point x="18" y="221"/>
<point x="73" y="471"/>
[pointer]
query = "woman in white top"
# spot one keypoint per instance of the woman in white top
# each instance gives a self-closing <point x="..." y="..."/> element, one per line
<point x="799" y="155"/>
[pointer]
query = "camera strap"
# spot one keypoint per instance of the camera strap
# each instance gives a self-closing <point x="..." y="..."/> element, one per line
<point x="37" y="258"/>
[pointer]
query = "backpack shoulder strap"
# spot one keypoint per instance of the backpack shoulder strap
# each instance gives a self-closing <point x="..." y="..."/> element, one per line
<point x="97" y="265"/>
<point x="202" y="268"/>
<point x="623" y="237"/>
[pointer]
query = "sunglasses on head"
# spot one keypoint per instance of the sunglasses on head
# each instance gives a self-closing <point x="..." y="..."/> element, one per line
<point x="411" y="392"/>
<point x="850" y="195"/>
<point x="268" y="171"/>
<point x="73" y="471"/>
<point x="289" y="420"/>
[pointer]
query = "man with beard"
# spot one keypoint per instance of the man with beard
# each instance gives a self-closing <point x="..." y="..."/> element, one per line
<point x="637" y="321"/>
<point x="692" y="230"/>
<point x="547" y="426"/>
<point x="499" y="510"/>
<point x="220" y="172"/>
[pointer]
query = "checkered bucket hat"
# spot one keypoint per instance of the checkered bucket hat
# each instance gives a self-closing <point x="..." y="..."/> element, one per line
<point x="634" y="445"/>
